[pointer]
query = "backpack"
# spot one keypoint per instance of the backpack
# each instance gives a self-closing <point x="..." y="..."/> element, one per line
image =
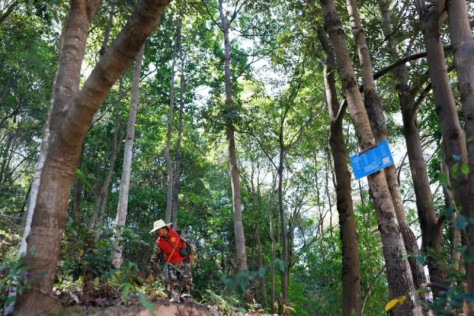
<point x="189" y="246"/>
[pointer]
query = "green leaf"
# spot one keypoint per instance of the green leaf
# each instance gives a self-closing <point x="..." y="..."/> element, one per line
<point x="243" y="284"/>
<point x="461" y="222"/>
<point x="454" y="170"/>
<point x="126" y="289"/>
<point x="442" y="178"/>
<point x="146" y="303"/>
<point x="464" y="168"/>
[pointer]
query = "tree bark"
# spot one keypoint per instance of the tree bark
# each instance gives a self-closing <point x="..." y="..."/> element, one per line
<point x="105" y="43"/>
<point x="399" y="275"/>
<point x="34" y="188"/>
<point x="177" y="157"/>
<point x="463" y="45"/>
<point x="284" y="234"/>
<point x="261" y="266"/>
<point x="169" y="163"/>
<point x="77" y="188"/>
<point x="122" y="208"/>
<point x="230" y="131"/>
<point x="272" y="237"/>
<point x="453" y="136"/>
<point x="351" y="289"/>
<point x="449" y="203"/>
<point x="102" y="196"/>
<point x="431" y="229"/>
<point x="46" y="223"/>
<point x="374" y="109"/>
<point x="68" y="129"/>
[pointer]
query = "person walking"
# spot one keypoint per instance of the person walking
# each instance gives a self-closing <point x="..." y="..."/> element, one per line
<point x="177" y="254"/>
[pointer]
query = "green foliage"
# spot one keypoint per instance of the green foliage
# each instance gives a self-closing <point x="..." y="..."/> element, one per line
<point x="27" y="67"/>
<point x="84" y="255"/>
<point x="276" y="70"/>
<point x="223" y="302"/>
<point x="240" y="282"/>
<point x="452" y="296"/>
<point x="146" y="303"/>
<point x="12" y="273"/>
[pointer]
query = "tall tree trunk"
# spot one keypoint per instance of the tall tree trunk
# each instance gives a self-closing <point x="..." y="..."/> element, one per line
<point x="261" y="266"/>
<point x="374" y="109"/>
<point x="431" y="227"/>
<point x="68" y="129"/>
<point x="230" y="131"/>
<point x="169" y="163"/>
<point x="78" y="187"/>
<point x="463" y="45"/>
<point x="272" y="237"/>
<point x="449" y="203"/>
<point x="328" y="190"/>
<point x="102" y="196"/>
<point x="283" y="232"/>
<point x="35" y="183"/>
<point x="177" y="157"/>
<point x="351" y="290"/>
<point x="285" y="235"/>
<point x="50" y="211"/>
<point x="105" y="43"/>
<point x="399" y="275"/>
<point x="453" y="136"/>
<point x="122" y="208"/>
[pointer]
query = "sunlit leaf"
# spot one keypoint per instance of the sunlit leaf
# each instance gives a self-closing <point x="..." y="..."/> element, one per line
<point x="126" y="289"/>
<point x="391" y="304"/>
<point x="399" y="300"/>
<point x="442" y="178"/>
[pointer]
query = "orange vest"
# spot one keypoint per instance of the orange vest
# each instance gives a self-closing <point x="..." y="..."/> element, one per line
<point x="171" y="247"/>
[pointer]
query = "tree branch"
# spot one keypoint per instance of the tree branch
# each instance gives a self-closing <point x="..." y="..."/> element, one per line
<point x="404" y="60"/>
<point x="9" y="11"/>
<point x="237" y="10"/>
<point x="261" y="147"/>
<point x="211" y="16"/>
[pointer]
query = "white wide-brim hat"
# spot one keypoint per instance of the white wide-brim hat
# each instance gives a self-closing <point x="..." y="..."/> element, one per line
<point x="159" y="224"/>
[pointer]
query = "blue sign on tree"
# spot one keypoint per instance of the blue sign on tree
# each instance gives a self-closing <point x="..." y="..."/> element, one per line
<point x="372" y="160"/>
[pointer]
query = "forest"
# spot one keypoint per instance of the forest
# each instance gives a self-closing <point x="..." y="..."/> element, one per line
<point x="235" y="121"/>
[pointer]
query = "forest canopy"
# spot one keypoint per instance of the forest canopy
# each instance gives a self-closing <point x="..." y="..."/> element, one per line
<point x="234" y="121"/>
